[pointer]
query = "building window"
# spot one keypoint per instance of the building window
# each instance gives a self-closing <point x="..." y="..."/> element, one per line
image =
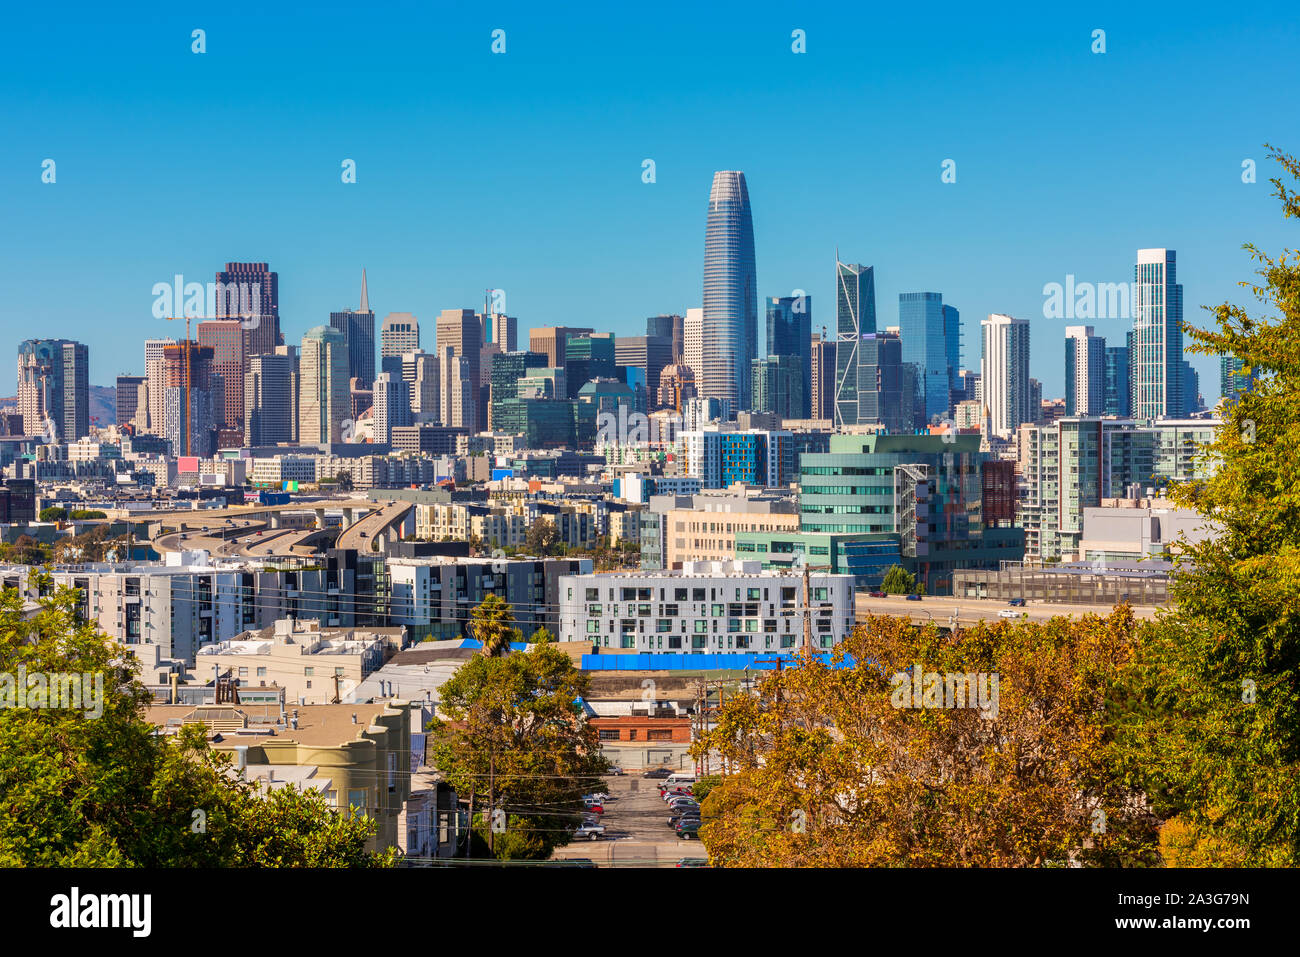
<point x="607" y="734"/>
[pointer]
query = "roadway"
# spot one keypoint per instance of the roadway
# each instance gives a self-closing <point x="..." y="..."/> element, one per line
<point x="360" y="534"/>
<point x="971" y="610"/>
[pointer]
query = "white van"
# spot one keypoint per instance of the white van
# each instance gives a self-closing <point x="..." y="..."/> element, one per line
<point x="678" y="778"/>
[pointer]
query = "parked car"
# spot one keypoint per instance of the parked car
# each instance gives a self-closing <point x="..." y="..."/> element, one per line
<point x="589" y="832"/>
<point x="877" y="594"/>
<point x="1017" y="603"/>
<point x="669" y="793"/>
<point x="693" y="862"/>
<point x="677" y="819"/>
<point x="913" y="597"/>
<point x="615" y="771"/>
<point x="596" y="808"/>
<point x="688" y="828"/>
<point x="658" y="773"/>
<point x="599" y="797"/>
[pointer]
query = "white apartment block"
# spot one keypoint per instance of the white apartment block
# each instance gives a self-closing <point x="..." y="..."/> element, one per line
<point x="707" y="607"/>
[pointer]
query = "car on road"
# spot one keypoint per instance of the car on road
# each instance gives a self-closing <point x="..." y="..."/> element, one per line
<point x="1017" y="603"/>
<point x="693" y="862"/>
<point x="1008" y="613"/>
<point x="587" y="831"/>
<point x="658" y="773"/>
<point x="913" y="597"/>
<point x="688" y="828"/>
<point x="876" y="594"/>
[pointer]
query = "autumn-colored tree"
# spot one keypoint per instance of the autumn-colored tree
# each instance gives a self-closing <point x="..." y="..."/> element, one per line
<point x="835" y="766"/>
<point x="1212" y="717"/>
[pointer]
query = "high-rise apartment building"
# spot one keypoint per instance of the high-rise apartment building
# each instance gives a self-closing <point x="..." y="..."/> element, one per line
<point x="419" y="370"/>
<point x="1085" y="371"/>
<point x="930" y="335"/>
<point x="822" y="378"/>
<point x="250" y="292"/>
<point x="1157" y="377"/>
<point x="392" y="406"/>
<point x="226" y="339"/>
<point x="155" y="370"/>
<point x="1117" y="387"/>
<point x="1004" y="373"/>
<point x="789" y="333"/>
<point x="54" y="388"/>
<point x="1233" y="378"/>
<point x="324" y="395"/>
<point x="358" y="329"/>
<point x="730" y="327"/>
<point x="855" y="317"/>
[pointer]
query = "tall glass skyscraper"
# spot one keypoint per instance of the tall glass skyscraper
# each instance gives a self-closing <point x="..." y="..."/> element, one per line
<point x="924" y="325"/>
<point x="1117" y="381"/>
<point x="730" y="327"/>
<point x="1156" y="359"/>
<point x="789" y="333"/>
<point x="855" y="317"/>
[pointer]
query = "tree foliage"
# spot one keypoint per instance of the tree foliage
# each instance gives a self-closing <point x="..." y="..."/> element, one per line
<point x="898" y="581"/>
<point x="512" y="734"/>
<point x="492" y="625"/>
<point x="107" y="791"/>
<point x="1213" y="724"/>
<point x="830" y="771"/>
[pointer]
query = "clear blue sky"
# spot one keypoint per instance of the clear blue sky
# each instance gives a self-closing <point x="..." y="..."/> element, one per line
<point x="523" y="170"/>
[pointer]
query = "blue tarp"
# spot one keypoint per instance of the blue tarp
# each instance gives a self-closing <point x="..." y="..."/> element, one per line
<point x="694" y="662"/>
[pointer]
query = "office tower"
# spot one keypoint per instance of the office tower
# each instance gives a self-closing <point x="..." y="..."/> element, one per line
<point x="587" y="357"/>
<point x="693" y="343"/>
<point x="193" y="400"/>
<point x="730" y="329"/>
<point x="669" y="327"/>
<point x="1156" y="353"/>
<point x="1004" y="373"/>
<point x="498" y="328"/>
<point x="1233" y="378"/>
<point x="420" y="370"/>
<point x="886" y="384"/>
<point x="777" y="385"/>
<point x="127" y="397"/>
<point x="966" y="387"/>
<point x="226" y="339"/>
<point x="855" y="317"/>
<point x="325" y="399"/>
<point x="1191" y="389"/>
<point x="1117" y="386"/>
<point x="358" y="328"/>
<point x="822" y="378"/>
<point x="930" y="339"/>
<point x="789" y="333"/>
<point x="250" y="292"/>
<point x="1085" y="371"/>
<point x="460" y="331"/>
<point x="392" y="406"/>
<point x="54" y="387"/>
<point x="508" y="368"/>
<point x="155" y="372"/>
<point x="399" y="334"/>
<point x="551" y="342"/>
<point x="1035" y="401"/>
<point x="650" y="354"/>
<point x="269" y="400"/>
<point x="952" y="342"/>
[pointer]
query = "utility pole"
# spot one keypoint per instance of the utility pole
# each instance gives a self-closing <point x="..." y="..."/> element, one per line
<point x="807" y="614"/>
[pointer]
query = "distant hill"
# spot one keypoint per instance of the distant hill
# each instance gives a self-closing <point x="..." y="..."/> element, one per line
<point x="103" y="405"/>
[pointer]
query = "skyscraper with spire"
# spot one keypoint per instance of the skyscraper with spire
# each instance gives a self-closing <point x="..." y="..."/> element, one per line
<point x="358" y="328"/>
<point x="729" y="332"/>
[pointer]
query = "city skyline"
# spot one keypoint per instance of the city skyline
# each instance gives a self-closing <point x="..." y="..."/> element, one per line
<point x="1024" y="210"/>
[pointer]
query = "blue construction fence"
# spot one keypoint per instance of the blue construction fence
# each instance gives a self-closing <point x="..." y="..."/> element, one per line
<point x="646" y="661"/>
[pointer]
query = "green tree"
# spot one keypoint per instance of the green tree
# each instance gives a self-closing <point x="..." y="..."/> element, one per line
<point x="53" y="514"/>
<point x="106" y="791"/>
<point x="542" y="537"/>
<point x="1212" y="717"/>
<point x="700" y="790"/>
<point x="514" y="741"/>
<point x="492" y="625"/>
<point x="898" y="581"/>
<point x="542" y="636"/>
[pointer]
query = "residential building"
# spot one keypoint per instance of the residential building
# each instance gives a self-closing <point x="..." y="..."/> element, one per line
<point x="1156" y="351"/>
<point x="1004" y="373"/>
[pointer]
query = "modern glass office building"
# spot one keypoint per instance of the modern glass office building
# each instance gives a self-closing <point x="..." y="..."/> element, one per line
<point x="1117" y="388"/>
<point x="926" y="492"/>
<point x="1233" y="379"/>
<point x="1156" y="360"/>
<point x="924" y="327"/>
<point x="730" y="323"/>
<point x="358" y="328"/>
<point x="855" y="317"/>
<point x="789" y="333"/>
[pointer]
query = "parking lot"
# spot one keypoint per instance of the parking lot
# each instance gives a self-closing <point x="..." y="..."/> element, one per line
<point x="636" y="829"/>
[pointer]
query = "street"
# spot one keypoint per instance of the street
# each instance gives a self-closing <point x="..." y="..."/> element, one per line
<point x="636" y="829"/>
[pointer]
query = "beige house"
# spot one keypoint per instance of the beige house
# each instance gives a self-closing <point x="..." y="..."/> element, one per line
<point x="359" y="756"/>
<point x="314" y="665"/>
<point x="706" y="532"/>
